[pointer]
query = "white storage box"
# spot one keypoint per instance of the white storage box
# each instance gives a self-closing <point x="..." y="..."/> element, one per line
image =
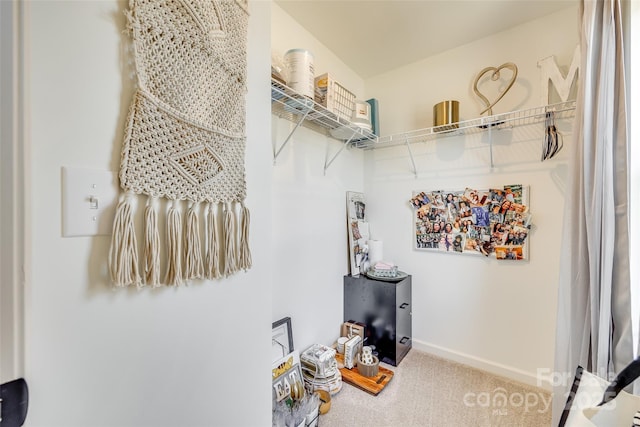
<point x="334" y="97"/>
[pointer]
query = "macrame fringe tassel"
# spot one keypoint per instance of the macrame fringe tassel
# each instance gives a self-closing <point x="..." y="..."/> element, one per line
<point x="174" y="228"/>
<point x="245" y="252"/>
<point x="230" y="263"/>
<point x="211" y="257"/>
<point x="193" y="259"/>
<point x="123" y="254"/>
<point x="151" y="245"/>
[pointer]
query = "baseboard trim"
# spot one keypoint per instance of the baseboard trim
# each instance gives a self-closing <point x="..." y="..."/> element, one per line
<point x="483" y="364"/>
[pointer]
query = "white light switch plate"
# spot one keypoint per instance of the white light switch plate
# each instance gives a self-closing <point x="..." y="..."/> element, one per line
<point x="89" y="199"/>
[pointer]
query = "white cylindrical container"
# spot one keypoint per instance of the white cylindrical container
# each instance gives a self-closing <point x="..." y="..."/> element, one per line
<point x="299" y="63"/>
<point x="375" y="251"/>
<point x="362" y="115"/>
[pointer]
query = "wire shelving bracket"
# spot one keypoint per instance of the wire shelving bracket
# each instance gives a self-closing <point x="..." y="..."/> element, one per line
<point x="302" y="111"/>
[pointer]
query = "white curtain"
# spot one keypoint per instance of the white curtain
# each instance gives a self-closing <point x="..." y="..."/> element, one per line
<point x="594" y="303"/>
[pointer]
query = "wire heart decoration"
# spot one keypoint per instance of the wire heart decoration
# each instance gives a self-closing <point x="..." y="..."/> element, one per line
<point x="495" y="76"/>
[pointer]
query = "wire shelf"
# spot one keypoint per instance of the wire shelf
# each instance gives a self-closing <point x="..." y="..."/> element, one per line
<point x="303" y="111"/>
<point x="512" y="119"/>
<point x="288" y="104"/>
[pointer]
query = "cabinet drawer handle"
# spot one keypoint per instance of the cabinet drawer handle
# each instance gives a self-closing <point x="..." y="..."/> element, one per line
<point x="404" y="305"/>
<point x="404" y="340"/>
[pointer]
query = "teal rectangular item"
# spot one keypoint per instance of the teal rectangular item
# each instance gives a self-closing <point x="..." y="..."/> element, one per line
<point x="375" y="121"/>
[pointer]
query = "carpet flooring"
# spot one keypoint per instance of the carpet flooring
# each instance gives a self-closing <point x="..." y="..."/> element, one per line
<point x="429" y="391"/>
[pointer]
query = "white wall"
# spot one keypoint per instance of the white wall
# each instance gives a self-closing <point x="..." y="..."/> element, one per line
<point x="309" y="207"/>
<point x="496" y="315"/>
<point x="12" y="218"/>
<point x="98" y="356"/>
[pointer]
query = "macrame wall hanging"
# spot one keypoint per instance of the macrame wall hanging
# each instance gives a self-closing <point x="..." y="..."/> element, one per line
<point x="184" y="145"/>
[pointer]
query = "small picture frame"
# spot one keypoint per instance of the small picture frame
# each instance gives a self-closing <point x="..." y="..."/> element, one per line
<point x="287" y="379"/>
<point x="281" y="338"/>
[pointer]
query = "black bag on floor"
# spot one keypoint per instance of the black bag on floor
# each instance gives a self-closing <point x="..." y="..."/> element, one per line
<point x="596" y="402"/>
<point x="14" y="402"/>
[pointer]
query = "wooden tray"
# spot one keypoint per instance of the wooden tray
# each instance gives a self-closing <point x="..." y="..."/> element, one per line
<point x="373" y="385"/>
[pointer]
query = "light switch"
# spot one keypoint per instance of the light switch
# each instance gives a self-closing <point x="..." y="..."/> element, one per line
<point x="89" y="199"/>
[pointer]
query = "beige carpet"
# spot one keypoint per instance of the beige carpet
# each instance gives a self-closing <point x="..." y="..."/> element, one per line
<point x="430" y="391"/>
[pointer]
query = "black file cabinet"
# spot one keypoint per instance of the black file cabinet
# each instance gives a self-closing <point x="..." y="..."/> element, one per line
<point x="385" y="310"/>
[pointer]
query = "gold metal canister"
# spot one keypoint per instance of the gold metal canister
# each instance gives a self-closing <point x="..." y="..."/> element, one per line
<point x="445" y="115"/>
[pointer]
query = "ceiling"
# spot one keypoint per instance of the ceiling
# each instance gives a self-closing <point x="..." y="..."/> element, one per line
<point x="373" y="37"/>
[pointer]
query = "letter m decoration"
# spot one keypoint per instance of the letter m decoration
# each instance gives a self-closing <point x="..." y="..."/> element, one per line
<point x="549" y="71"/>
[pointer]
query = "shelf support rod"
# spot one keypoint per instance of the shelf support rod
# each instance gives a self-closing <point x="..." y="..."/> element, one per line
<point x="490" y="146"/>
<point x="302" y="118"/>
<point x="413" y="162"/>
<point x="327" y="164"/>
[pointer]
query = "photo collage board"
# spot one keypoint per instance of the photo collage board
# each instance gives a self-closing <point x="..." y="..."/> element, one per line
<point x="484" y="222"/>
<point x="358" y="232"/>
